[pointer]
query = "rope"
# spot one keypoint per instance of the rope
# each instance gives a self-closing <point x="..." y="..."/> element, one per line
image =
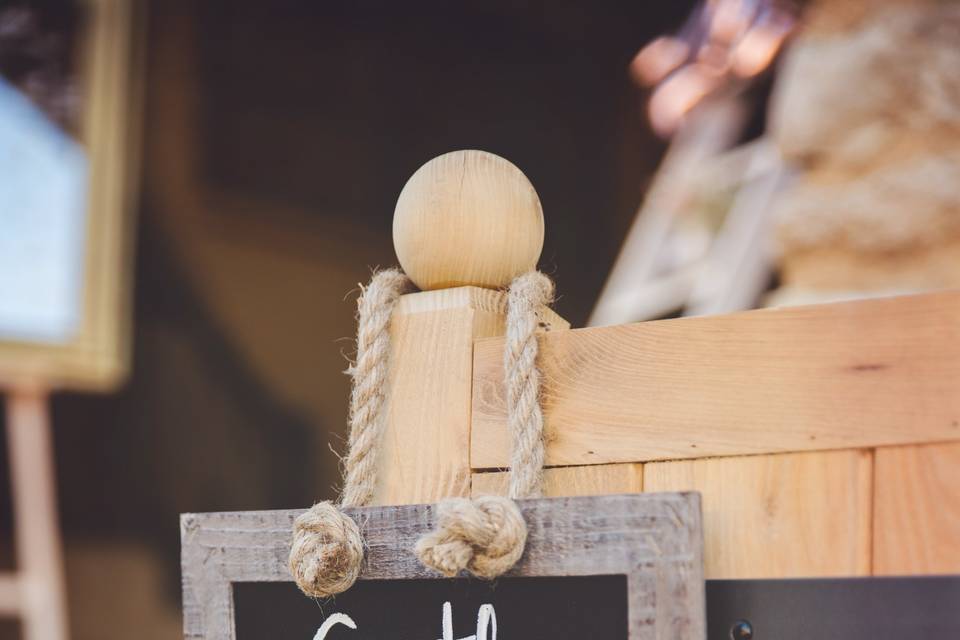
<point x="369" y="375"/>
<point x="484" y="536"/>
<point x="528" y="294"/>
<point x="327" y="551"/>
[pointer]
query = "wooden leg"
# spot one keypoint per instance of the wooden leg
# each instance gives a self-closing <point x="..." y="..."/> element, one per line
<point x="36" y="530"/>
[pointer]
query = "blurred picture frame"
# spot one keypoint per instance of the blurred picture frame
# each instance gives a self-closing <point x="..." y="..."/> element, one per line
<point x="86" y="347"/>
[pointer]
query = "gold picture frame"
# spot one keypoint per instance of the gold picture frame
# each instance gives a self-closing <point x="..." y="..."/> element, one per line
<point x="97" y="357"/>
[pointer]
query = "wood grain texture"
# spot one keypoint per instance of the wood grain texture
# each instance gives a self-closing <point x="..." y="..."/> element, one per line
<point x="467" y="218"/>
<point x="425" y="454"/>
<point x="779" y="516"/>
<point x="916" y="527"/>
<point x="592" y="480"/>
<point x="837" y="376"/>
<point x="655" y="540"/>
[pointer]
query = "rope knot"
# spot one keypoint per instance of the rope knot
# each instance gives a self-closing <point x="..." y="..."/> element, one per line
<point x="327" y="551"/>
<point x="485" y="536"/>
<point x="529" y="292"/>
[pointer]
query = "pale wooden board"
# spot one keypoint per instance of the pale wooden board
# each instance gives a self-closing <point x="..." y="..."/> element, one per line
<point x="779" y="516"/>
<point x="916" y="526"/>
<point x="593" y="480"/>
<point x="838" y="376"/>
<point x="655" y="540"/>
<point x="425" y="454"/>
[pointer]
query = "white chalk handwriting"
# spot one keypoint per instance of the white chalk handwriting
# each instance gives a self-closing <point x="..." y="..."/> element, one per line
<point x="486" y="624"/>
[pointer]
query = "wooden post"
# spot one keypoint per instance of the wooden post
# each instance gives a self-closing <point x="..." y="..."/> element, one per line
<point x="38" y="587"/>
<point x="464" y="218"/>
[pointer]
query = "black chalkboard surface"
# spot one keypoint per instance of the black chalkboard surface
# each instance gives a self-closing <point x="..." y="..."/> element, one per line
<point x="627" y="567"/>
<point x="578" y="608"/>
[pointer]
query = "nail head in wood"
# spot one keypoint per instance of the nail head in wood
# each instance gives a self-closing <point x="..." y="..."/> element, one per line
<point x="467" y="218"/>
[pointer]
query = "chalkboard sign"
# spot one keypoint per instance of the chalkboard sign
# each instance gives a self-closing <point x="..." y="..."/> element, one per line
<point x="593" y="607"/>
<point x="625" y="567"/>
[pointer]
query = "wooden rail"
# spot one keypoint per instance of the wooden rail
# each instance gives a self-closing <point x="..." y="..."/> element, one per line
<point x="840" y="376"/>
<point x="825" y="440"/>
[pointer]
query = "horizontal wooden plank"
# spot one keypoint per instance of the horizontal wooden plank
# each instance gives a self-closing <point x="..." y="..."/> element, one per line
<point x="916" y="526"/>
<point x="837" y="376"/>
<point x="656" y="541"/>
<point x="787" y="515"/>
<point x="591" y="480"/>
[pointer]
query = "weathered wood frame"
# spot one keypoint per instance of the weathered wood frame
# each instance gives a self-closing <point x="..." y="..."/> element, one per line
<point x="655" y="540"/>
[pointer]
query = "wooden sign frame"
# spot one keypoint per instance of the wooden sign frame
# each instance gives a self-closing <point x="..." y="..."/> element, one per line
<point x="655" y="540"/>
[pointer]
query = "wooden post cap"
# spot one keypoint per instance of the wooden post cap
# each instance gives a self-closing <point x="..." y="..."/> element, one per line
<point x="467" y="218"/>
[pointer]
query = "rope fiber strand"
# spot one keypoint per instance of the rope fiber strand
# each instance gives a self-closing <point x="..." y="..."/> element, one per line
<point x="368" y="392"/>
<point x="528" y="294"/>
<point x="327" y="550"/>
<point x="484" y="536"/>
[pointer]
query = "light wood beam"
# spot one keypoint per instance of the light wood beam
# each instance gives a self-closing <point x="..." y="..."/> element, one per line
<point x="838" y="376"/>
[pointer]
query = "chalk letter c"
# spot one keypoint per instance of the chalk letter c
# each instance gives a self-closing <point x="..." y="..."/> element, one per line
<point x="337" y="618"/>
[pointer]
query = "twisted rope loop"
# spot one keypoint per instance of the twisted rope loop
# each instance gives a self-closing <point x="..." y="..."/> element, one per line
<point x="327" y="551"/>
<point x="486" y="536"/>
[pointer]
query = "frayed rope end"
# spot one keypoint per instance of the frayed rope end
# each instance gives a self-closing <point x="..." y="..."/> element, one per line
<point x="327" y="551"/>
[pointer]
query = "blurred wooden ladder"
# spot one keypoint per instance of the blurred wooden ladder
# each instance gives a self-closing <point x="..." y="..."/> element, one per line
<point x="34" y="592"/>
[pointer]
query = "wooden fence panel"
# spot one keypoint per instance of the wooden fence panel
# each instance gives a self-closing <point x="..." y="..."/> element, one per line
<point x="917" y="510"/>
<point x="779" y="516"/>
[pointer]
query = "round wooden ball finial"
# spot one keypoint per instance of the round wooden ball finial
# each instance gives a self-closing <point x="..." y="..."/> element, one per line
<point x="467" y="218"/>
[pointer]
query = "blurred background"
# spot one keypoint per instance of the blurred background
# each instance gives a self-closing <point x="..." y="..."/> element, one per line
<point x="238" y="162"/>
